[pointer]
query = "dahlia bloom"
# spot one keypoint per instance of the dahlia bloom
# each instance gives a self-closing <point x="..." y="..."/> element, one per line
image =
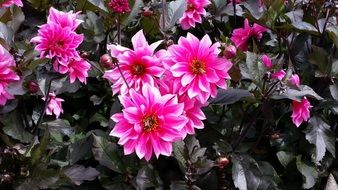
<point x="77" y="69"/>
<point x="242" y="36"/>
<point x="119" y="6"/>
<point x="278" y="75"/>
<point x="7" y="75"/>
<point x="149" y="122"/>
<point x="267" y="61"/>
<point x="64" y="19"/>
<point x="192" y="107"/>
<point x="294" y="80"/>
<point x="199" y="68"/>
<point x="9" y="3"/>
<point x="194" y="12"/>
<point x="54" y="105"/>
<point x="301" y="111"/>
<point x="56" y="41"/>
<point x="139" y="66"/>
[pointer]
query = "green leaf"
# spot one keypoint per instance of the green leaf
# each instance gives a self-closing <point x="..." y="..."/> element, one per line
<point x="135" y="11"/>
<point x="78" y="173"/>
<point x="229" y="96"/>
<point x="174" y="11"/>
<point x="285" y="157"/>
<point x="107" y="154"/>
<point x="99" y="118"/>
<point x="6" y="33"/>
<point x="319" y="134"/>
<point x="331" y="183"/>
<point x="80" y="149"/>
<point x="253" y="68"/>
<point x="270" y="178"/>
<point x="310" y="174"/>
<point x="297" y="95"/>
<point x="13" y="126"/>
<point x="146" y="178"/>
<point x="245" y="172"/>
<point x="320" y="58"/>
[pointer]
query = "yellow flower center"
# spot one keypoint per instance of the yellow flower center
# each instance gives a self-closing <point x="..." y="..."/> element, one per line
<point x="197" y="67"/>
<point x="137" y="69"/>
<point x="150" y="123"/>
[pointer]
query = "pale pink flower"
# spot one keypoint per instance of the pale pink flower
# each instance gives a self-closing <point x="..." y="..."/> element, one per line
<point x="192" y="107"/>
<point x="149" y="122"/>
<point x="77" y="69"/>
<point x="119" y="6"/>
<point x="64" y="19"/>
<point x="301" y="111"/>
<point x="267" y="61"/>
<point x="139" y="66"/>
<point x="193" y="13"/>
<point x="230" y="52"/>
<point x="242" y="36"/>
<point x="54" y="41"/>
<point x="294" y="80"/>
<point x="7" y="74"/>
<point x="278" y="75"/>
<point x="54" y="105"/>
<point x="8" y="3"/>
<point x="199" y="68"/>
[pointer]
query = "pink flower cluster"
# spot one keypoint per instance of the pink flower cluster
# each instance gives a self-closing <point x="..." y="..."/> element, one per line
<point x="193" y="14"/>
<point x="8" y="3"/>
<point x="242" y="36"/>
<point x="119" y="6"/>
<point x="162" y="92"/>
<point x="57" y="40"/>
<point x="301" y="110"/>
<point x="7" y="74"/>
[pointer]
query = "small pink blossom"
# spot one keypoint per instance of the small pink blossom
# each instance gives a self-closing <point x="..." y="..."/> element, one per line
<point x="138" y="66"/>
<point x="149" y="122"/>
<point x="64" y="19"/>
<point x="267" y="61"/>
<point x="54" y="105"/>
<point x="193" y="14"/>
<point x="54" y="41"/>
<point x="199" y="68"/>
<point x="301" y="111"/>
<point x="230" y="51"/>
<point x="119" y="6"/>
<point x="278" y="75"/>
<point x="7" y="74"/>
<point x="242" y="36"/>
<point x="77" y="69"/>
<point x="294" y="80"/>
<point x="8" y="3"/>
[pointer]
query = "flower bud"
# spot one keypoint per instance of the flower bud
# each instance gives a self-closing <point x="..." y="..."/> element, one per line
<point x="230" y="51"/>
<point x="222" y="162"/>
<point x="106" y="61"/>
<point x="147" y="12"/>
<point x="33" y="87"/>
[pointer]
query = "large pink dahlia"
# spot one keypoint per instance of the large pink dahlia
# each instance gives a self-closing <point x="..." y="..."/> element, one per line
<point x="241" y="36"/>
<point x="64" y="19"/>
<point x="139" y="66"/>
<point x="301" y="111"/>
<point x="8" y="3"/>
<point x="193" y="14"/>
<point x="199" y="68"/>
<point x="77" y="69"/>
<point x="149" y="122"/>
<point x="7" y="74"/>
<point x="54" y="41"/>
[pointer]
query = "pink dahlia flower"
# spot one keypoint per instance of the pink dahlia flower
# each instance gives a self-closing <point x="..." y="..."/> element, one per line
<point x="77" y="69"/>
<point x="199" y="68"/>
<point x="294" y="80"/>
<point x="54" y="41"/>
<point x="54" y="105"/>
<point x="64" y="19"/>
<point x="149" y="122"/>
<point x="7" y="74"/>
<point x="278" y="75"/>
<point x="242" y="36"/>
<point x="8" y="3"/>
<point x="119" y="6"/>
<point x="267" y="61"/>
<point x="193" y="14"/>
<point x="192" y="107"/>
<point x="301" y="111"/>
<point x="139" y="66"/>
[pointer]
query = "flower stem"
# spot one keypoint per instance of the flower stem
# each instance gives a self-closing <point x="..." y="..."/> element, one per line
<point x="118" y="27"/>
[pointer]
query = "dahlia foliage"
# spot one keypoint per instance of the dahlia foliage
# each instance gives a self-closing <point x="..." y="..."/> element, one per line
<point x="170" y="94"/>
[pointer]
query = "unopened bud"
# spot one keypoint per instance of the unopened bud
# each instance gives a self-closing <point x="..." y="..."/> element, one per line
<point x="222" y="162"/>
<point x="147" y="12"/>
<point x="106" y="61"/>
<point x="33" y="87"/>
<point x="230" y="51"/>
